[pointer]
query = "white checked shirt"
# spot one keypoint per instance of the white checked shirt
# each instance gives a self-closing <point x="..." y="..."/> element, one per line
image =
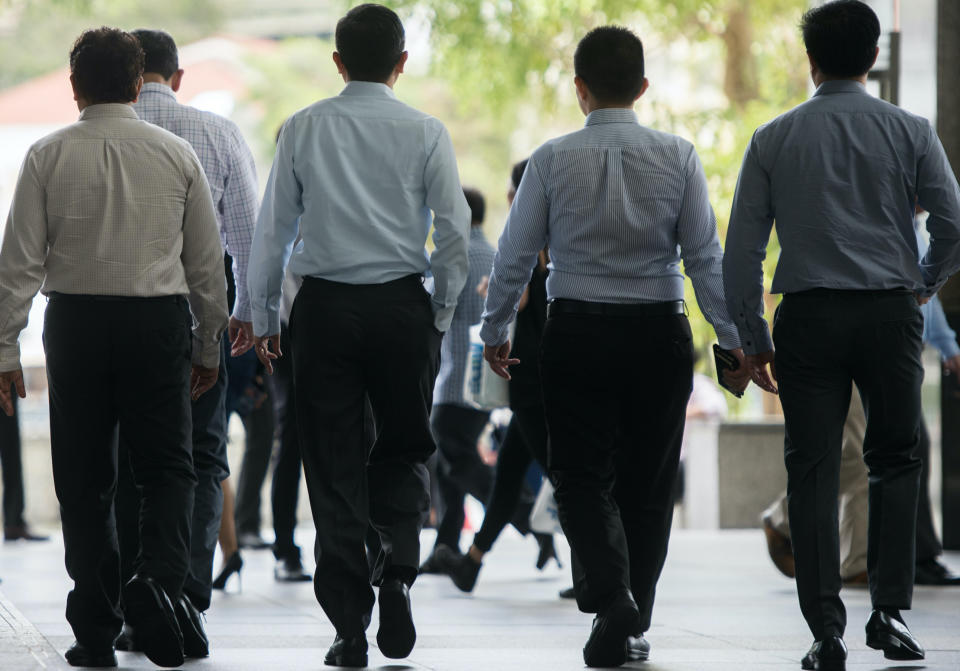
<point x="619" y="205"/>
<point x="230" y="169"/>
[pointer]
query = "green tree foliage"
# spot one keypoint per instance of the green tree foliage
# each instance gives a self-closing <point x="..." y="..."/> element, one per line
<point x="36" y="35"/>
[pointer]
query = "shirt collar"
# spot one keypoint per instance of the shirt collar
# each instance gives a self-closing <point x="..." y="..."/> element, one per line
<point x="611" y="115"/>
<point x="108" y="111"/>
<point x="159" y="89"/>
<point x="840" y="86"/>
<point x="368" y="89"/>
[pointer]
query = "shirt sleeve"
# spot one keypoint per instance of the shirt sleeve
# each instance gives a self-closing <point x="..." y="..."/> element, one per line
<point x="701" y="252"/>
<point x="524" y="235"/>
<point x="238" y="205"/>
<point x="22" y="258"/>
<point x="751" y="219"/>
<point x="276" y="230"/>
<point x="202" y="259"/>
<point x="451" y="229"/>
<point x="937" y="331"/>
<point x="939" y="194"/>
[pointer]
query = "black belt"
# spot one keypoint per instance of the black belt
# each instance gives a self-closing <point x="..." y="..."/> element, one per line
<point x="567" y="306"/>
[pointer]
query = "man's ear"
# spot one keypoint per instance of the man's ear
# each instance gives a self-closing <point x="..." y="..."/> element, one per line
<point x="339" y="62"/>
<point x="875" y="54"/>
<point x="139" y="86"/>
<point x="176" y="79"/>
<point x="643" y="89"/>
<point x="73" y="85"/>
<point x="398" y="69"/>
<point x="582" y="91"/>
<point x="813" y="65"/>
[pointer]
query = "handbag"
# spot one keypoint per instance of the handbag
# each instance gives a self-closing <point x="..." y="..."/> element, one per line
<point x="482" y="388"/>
<point x="545" y="518"/>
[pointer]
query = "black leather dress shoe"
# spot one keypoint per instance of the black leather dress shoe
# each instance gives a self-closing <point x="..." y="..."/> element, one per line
<point x="568" y="593"/>
<point x="149" y="611"/>
<point x="397" y="634"/>
<point x="462" y="569"/>
<point x="81" y="655"/>
<point x="830" y="654"/>
<point x="195" y="642"/>
<point x="22" y="533"/>
<point x="932" y="572"/>
<point x="289" y="569"/>
<point x="887" y="633"/>
<point x="638" y="648"/>
<point x="431" y="565"/>
<point x="350" y="651"/>
<point x="612" y="627"/>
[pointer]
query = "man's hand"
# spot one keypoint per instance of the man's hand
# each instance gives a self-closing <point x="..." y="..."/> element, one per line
<point x="952" y="365"/>
<point x="483" y="285"/>
<point x="201" y="380"/>
<point x="268" y="349"/>
<point x="757" y="364"/>
<point x="498" y="358"/>
<point x="13" y="378"/>
<point x="921" y="300"/>
<point x="738" y="379"/>
<point x="241" y="336"/>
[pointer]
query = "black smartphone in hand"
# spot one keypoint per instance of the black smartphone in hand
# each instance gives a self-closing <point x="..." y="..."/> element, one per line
<point x="725" y="361"/>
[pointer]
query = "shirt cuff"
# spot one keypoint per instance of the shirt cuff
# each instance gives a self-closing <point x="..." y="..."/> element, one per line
<point x="265" y="322"/>
<point x="728" y="336"/>
<point x="755" y="338"/>
<point x="491" y="335"/>
<point x="242" y="310"/>
<point x="10" y="360"/>
<point x="206" y="353"/>
<point x="442" y="316"/>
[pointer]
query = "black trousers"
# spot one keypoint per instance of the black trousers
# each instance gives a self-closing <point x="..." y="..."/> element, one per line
<point x="356" y="347"/>
<point x="526" y="440"/>
<point x="460" y="471"/>
<point x="259" y="427"/>
<point x="615" y="420"/>
<point x="208" y="437"/>
<point x="126" y="362"/>
<point x="12" y="467"/>
<point x="285" y="485"/>
<point x="826" y="340"/>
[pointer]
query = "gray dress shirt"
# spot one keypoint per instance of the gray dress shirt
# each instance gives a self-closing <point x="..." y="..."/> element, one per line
<point x="840" y="175"/>
<point x="619" y="205"/>
<point x="358" y="176"/>
<point x="228" y="166"/>
<point x="456" y="341"/>
<point x="113" y="206"/>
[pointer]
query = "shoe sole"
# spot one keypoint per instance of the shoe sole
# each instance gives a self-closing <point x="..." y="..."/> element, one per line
<point x="195" y="642"/>
<point x="893" y="647"/>
<point x="397" y="634"/>
<point x="610" y="647"/>
<point x="346" y="660"/>
<point x="160" y="642"/>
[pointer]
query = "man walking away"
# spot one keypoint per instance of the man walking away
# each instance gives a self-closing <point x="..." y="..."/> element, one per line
<point x="841" y="174"/>
<point x="358" y="176"/>
<point x="112" y="219"/>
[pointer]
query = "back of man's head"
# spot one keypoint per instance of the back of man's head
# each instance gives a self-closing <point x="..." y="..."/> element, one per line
<point x="370" y="41"/>
<point x="478" y="206"/>
<point x="841" y="37"/>
<point x="516" y="173"/>
<point x="609" y="60"/>
<point x="106" y="65"/>
<point x="160" y="52"/>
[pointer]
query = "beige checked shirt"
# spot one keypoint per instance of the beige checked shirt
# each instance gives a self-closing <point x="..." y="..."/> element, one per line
<point x="113" y="206"/>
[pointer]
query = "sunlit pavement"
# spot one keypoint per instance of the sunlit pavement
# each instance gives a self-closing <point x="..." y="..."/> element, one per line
<point x="721" y="606"/>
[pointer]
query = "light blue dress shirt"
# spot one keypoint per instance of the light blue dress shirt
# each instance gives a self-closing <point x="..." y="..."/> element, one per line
<point x="361" y="173"/>
<point x="936" y="329"/>
<point x="619" y="205"/>
<point x="840" y="174"/>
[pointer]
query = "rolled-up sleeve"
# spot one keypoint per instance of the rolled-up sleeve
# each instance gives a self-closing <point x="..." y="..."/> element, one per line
<point x="751" y="219"/>
<point x="202" y="259"/>
<point x="21" y="260"/>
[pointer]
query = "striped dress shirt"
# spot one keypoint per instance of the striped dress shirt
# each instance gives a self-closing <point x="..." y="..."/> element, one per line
<point x="456" y="341"/>
<point x="112" y="206"/>
<point x="229" y="167"/>
<point x="620" y="205"/>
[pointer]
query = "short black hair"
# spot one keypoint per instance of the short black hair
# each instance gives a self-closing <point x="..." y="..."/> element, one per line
<point x="106" y="65"/>
<point x="478" y="206"/>
<point x="160" y="52"/>
<point x="841" y="37"/>
<point x="370" y="41"/>
<point x="609" y="60"/>
<point x="516" y="173"/>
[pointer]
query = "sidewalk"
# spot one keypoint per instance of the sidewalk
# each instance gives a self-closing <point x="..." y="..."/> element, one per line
<point x="721" y="606"/>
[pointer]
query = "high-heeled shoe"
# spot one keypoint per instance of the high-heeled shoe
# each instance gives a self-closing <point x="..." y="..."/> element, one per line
<point x="547" y="551"/>
<point x="232" y="565"/>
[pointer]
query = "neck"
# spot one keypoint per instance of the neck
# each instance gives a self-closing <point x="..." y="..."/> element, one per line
<point x="819" y="78"/>
<point x="154" y="78"/>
